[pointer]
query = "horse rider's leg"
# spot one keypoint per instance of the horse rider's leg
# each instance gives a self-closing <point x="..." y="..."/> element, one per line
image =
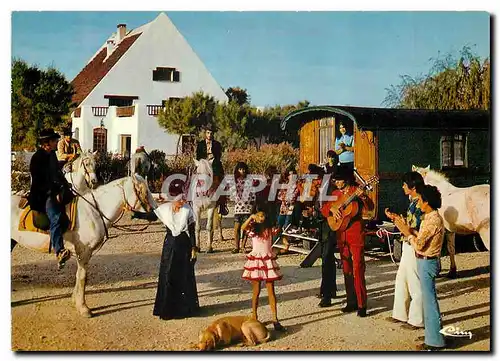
<point x="450" y="244"/>
<point x="210" y="229"/>
<point x="82" y="261"/>
<point x="12" y="244"/>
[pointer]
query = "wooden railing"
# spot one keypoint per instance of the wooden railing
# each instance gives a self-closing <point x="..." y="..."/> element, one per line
<point x="100" y="111"/>
<point x="78" y="112"/>
<point x="154" y="109"/>
<point x="125" y="111"/>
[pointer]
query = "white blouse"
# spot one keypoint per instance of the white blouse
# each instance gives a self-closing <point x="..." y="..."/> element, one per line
<point x="177" y="222"/>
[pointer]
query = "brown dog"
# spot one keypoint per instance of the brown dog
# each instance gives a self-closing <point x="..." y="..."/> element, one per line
<point x="233" y="329"/>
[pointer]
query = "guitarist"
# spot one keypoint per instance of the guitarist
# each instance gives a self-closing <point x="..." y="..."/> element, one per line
<point x="350" y="241"/>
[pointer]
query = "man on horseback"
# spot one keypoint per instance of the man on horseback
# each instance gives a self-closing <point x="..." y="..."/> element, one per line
<point x="68" y="149"/>
<point x="211" y="150"/>
<point x="48" y="189"/>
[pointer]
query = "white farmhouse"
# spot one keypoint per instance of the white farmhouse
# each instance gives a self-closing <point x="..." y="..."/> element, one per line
<point x="124" y="85"/>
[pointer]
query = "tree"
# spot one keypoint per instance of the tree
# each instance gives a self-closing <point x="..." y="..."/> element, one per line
<point x="187" y="115"/>
<point x="39" y="99"/>
<point x="451" y="83"/>
<point x="231" y="119"/>
<point x="239" y="95"/>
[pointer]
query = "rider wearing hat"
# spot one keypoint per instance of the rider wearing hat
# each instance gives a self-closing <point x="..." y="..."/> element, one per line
<point x="47" y="189"/>
<point x="68" y="149"/>
<point x="211" y="150"/>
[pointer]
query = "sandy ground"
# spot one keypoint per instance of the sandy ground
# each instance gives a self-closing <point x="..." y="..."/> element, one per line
<point x="121" y="289"/>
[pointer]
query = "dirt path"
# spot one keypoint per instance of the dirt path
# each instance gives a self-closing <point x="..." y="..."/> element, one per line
<point x="122" y="286"/>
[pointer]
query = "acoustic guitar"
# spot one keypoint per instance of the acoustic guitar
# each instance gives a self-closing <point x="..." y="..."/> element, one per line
<point x="347" y="207"/>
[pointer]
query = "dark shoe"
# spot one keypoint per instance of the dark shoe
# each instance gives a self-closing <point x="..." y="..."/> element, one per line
<point x="236" y="250"/>
<point x="425" y="347"/>
<point x="393" y="320"/>
<point x="278" y="327"/>
<point x="407" y="326"/>
<point x="63" y="256"/>
<point x="325" y="302"/>
<point x="349" y="308"/>
<point x="362" y="312"/>
<point x="452" y="273"/>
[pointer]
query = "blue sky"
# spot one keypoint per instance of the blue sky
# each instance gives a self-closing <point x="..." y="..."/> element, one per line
<point x="341" y="58"/>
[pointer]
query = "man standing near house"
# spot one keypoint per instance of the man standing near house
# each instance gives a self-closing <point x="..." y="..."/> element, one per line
<point x="408" y="306"/>
<point x="68" y="149"/>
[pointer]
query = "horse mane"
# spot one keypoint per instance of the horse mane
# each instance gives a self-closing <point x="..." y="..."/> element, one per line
<point x="204" y="167"/>
<point x="433" y="176"/>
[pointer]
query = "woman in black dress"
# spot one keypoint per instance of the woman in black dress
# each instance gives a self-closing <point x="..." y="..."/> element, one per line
<point x="176" y="296"/>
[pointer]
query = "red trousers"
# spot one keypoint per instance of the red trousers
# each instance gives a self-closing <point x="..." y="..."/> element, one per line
<point x="352" y="252"/>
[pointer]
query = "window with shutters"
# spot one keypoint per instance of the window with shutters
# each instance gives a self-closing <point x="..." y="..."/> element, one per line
<point x="453" y="151"/>
<point x="166" y="74"/>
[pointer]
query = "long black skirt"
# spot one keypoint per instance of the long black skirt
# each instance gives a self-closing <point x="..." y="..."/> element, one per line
<point x="176" y="296"/>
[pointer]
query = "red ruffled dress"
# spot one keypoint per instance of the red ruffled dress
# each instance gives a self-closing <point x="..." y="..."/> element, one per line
<point x="261" y="263"/>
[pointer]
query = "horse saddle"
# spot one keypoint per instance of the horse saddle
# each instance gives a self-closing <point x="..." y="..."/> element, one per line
<point x="34" y="221"/>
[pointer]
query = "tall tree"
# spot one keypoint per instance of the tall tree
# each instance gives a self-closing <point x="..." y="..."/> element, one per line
<point x="231" y="119"/>
<point x="239" y="95"/>
<point x="188" y="115"/>
<point x="451" y="83"/>
<point x="39" y="98"/>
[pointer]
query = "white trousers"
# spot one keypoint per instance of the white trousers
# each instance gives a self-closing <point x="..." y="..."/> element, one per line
<point x="408" y="302"/>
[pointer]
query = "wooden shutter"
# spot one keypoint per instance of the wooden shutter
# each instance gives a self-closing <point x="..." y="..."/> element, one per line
<point x="308" y="145"/>
<point x="366" y="163"/>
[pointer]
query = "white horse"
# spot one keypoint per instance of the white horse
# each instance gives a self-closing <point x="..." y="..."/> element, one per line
<point x="93" y="220"/>
<point x="202" y="201"/>
<point x="83" y="177"/>
<point x="464" y="210"/>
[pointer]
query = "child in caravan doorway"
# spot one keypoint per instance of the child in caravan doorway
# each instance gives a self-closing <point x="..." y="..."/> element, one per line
<point x="261" y="262"/>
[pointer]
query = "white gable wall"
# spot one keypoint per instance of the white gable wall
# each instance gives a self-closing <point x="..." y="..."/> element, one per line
<point x="160" y="45"/>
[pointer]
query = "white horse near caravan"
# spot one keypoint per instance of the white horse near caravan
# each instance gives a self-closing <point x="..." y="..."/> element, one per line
<point x="464" y="210"/>
<point x="97" y="211"/>
<point x="202" y="201"/>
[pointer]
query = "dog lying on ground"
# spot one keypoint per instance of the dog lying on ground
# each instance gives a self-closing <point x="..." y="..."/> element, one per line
<point x="233" y="329"/>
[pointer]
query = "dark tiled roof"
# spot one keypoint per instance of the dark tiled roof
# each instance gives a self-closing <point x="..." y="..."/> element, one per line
<point x="390" y="118"/>
<point x="96" y="70"/>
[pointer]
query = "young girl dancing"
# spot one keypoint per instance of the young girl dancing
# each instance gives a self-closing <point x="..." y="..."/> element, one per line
<point x="261" y="263"/>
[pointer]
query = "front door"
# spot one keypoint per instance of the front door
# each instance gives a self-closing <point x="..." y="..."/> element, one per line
<point x="125" y="145"/>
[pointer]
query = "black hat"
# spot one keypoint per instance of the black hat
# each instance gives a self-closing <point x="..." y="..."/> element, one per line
<point x="67" y="131"/>
<point x="210" y="127"/>
<point x="48" y="133"/>
<point x="176" y="187"/>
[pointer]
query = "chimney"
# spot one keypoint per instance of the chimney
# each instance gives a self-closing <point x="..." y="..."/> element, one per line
<point x="109" y="47"/>
<point x="120" y="33"/>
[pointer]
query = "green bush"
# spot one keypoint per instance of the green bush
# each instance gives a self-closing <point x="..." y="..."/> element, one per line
<point x="281" y="156"/>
